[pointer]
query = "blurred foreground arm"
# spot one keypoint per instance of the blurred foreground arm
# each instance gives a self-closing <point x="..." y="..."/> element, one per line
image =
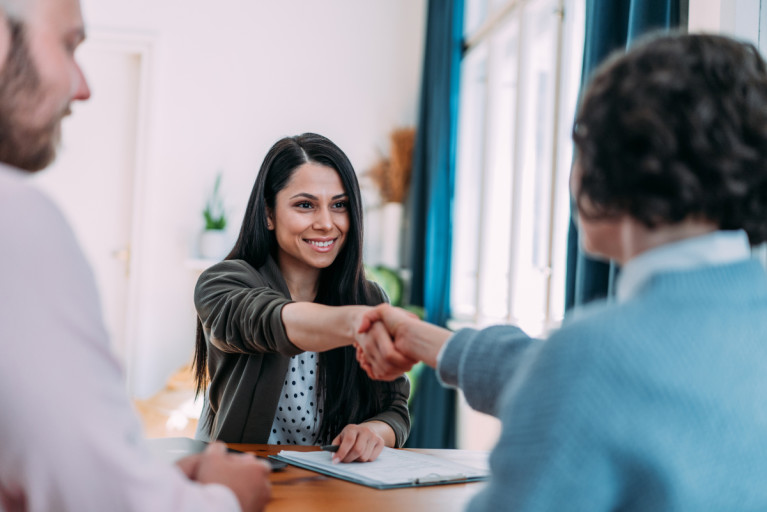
<point x="245" y="475"/>
<point x="55" y="344"/>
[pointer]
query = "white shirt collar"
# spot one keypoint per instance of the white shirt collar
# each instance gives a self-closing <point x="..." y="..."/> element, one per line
<point x="717" y="248"/>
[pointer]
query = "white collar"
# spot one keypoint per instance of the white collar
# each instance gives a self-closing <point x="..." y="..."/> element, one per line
<point x="717" y="248"/>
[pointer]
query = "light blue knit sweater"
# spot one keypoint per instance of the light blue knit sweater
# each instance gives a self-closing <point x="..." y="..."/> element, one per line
<point x="658" y="403"/>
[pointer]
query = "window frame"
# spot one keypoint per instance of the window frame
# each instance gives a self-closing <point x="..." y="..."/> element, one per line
<point x="481" y="37"/>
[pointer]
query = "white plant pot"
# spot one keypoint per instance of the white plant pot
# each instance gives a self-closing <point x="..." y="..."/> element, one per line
<point x="391" y="233"/>
<point x="214" y="244"/>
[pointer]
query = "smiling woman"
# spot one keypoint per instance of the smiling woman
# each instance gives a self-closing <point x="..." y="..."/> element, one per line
<point x="274" y="350"/>
<point x="310" y="220"/>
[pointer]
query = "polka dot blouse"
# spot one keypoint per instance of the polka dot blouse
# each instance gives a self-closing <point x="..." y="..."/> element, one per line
<point x="298" y="415"/>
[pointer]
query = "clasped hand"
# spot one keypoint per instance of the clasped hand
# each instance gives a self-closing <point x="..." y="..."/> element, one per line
<point x="384" y="343"/>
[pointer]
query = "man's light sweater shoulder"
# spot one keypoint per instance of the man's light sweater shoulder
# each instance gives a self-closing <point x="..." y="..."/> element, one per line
<point x="69" y="437"/>
<point x="652" y="403"/>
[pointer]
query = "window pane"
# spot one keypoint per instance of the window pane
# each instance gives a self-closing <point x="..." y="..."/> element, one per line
<point x="497" y="5"/>
<point x="469" y="165"/>
<point x="475" y="14"/>
<point x="514" y="154"/>
<point x="533" y="182"/>
<point x="495" y="227"/>
<point x="572" y="58"/>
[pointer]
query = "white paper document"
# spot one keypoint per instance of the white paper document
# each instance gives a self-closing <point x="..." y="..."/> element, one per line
<point x="393" y="468"/>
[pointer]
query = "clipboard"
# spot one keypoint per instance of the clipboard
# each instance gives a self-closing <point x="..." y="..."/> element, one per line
<point x="393" y="469"/>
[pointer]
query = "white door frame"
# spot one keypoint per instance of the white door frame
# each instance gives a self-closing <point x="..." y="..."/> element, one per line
<point x="143" y="47"/>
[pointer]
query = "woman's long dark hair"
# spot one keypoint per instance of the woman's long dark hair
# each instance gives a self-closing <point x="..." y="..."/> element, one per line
<point x="355" y="397"/>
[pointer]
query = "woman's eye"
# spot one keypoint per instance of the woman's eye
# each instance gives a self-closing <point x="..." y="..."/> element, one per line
<point x="341" y="205"/>
<point x="304" y="204"/>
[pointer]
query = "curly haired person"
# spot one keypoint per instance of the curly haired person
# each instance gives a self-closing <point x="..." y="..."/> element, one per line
<point x="653" y="401"/>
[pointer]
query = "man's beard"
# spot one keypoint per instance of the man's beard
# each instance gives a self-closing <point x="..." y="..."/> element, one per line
<point x="22" y="146"/>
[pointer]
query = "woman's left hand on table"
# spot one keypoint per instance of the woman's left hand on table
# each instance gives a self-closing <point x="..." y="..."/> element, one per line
<point x="358" y="443"/>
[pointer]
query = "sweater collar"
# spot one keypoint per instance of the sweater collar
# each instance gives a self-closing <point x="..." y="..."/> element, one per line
<point x="717" y="248"/>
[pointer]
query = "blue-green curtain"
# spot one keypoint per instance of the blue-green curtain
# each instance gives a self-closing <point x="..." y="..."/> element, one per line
<point x="430" y="207"/>
<point x="610" y="25"/>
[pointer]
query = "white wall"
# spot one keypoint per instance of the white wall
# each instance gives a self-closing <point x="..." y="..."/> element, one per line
<point x="229" y="78"/>
<point x="739" y="18"/>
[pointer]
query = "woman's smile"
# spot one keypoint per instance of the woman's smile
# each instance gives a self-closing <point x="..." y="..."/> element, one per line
<point x="322" y="245"/>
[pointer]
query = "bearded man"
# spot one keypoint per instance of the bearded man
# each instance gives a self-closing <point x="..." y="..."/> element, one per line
<point x="70" y="439"/>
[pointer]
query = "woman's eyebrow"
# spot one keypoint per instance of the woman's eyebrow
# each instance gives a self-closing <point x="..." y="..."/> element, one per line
<point x="304" y="194"/>
<point x="310" y="196"/>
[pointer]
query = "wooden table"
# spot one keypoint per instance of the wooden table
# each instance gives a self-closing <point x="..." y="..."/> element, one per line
<point x="295" y="489"/>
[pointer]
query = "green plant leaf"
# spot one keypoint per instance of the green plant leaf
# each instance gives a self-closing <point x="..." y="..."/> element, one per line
<point x="214" y="213"/>
<point x="389" y="280"/>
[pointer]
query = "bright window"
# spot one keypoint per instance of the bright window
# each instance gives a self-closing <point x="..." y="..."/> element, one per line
<point x="519" y="84"/>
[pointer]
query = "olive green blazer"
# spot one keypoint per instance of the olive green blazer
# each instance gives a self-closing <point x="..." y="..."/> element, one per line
<point x="240" y="310"/>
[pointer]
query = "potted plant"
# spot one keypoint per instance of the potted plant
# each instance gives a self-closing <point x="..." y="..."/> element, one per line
<point x="392" y="177"/>
<point x="214" y="240"/>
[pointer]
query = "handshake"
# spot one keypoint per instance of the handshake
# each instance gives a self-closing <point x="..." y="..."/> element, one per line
<point x="390" y="340"/>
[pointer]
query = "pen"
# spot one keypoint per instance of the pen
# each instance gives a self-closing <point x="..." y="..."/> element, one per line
<point x="329" y="448"/>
